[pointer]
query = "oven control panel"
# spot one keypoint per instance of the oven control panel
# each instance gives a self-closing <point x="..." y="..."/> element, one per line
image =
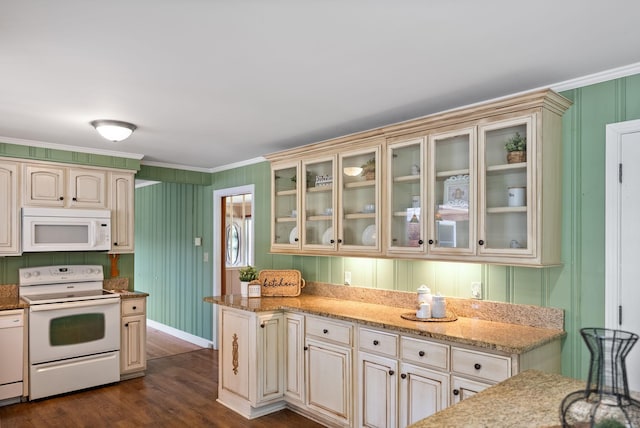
<point x="60" y="274"/>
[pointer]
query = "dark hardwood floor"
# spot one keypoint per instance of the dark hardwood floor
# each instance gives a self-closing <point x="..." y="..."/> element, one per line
<point x="178" y="391"/>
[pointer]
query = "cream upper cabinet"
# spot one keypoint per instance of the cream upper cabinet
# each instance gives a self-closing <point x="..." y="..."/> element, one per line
<point x="44" y="186"/>
<point x="122" y="185"/>
<point x="405" y="191"/>
<point x="449" y="191"/>
<point x="285" y="206"/>
<point x="359" y="201"/>
<point x="452" y="182"/>
<point x="9" y="211"/>
<point x="87" y="188"/>
<point x="52" y="186"/>
<point x="318" y="194"/>
<point x="508" y="190"/>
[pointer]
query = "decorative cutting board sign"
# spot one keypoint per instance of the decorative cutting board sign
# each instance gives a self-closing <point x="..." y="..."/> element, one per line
<point x="281" y="283"/>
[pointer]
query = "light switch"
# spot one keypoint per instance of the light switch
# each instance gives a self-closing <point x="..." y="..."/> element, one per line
<point x="197" y="241"/>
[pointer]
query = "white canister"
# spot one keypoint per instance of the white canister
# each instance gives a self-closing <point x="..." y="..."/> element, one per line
<point x="424" y="294"/>
<point x="424" y="311"/>
<point x="438" y="307"/>
<point x="517" y="196"/>
<point x="244" y="288"/>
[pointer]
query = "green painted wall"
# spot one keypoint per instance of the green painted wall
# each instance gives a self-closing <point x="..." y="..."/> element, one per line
<point x="577" y="287"/>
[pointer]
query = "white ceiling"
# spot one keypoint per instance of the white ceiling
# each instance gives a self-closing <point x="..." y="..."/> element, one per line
<point x="211" y="83"/>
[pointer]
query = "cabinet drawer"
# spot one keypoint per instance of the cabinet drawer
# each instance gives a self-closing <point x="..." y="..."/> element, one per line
<point x="493" y="368"/>
<point x="133" y="307"/>
<point x="329" y="330"/>
<point x="377" y="341"/>
<point x="425" y="353"/>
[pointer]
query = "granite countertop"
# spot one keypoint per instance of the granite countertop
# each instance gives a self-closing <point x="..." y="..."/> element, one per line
<point x="498" y="336"/>
<point x="10" y="298"/>
<point x="529" y="399"/>
<point x="121" y="286"/>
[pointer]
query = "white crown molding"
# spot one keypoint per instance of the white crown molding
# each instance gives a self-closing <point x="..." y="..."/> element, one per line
<point x="175" y="166"/>
<point x="592" y="79"/>
<point x="66" y="147"/>
<point x="247" y="162"/>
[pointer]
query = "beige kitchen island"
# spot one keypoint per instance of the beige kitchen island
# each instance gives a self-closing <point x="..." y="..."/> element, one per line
<point x="323" y="357"/>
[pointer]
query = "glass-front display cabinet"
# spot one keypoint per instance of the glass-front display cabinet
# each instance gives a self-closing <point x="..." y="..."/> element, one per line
<point x="452" y="192"/>
<point x="318" y="204"/>
<point x="406" y="192"/>
<point x="285" y="226"/>
<point x="506" y="185"/>
<point x="359" y="217"/>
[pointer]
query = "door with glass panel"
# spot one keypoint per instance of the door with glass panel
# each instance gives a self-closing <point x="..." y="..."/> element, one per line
<point x="318" y="202"/>
<point x="506" y="186"/>
<point x="452" y="193"/>
<point x="359" y="217"/>
<point x="285" y="227"/>
<point x="407" y="212"/>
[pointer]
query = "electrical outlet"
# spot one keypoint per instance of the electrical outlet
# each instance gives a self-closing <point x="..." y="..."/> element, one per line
<point x="347" y="277"/>
<point x="205" y="257"/>
<point x="476" y="290"/>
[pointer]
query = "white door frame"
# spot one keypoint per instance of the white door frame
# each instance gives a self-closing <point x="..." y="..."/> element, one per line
<point x="613" y="157"/>
<point x="218" y="195"/>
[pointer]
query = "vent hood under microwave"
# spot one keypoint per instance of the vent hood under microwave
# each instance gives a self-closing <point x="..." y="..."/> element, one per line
<point x="65" y="229"/>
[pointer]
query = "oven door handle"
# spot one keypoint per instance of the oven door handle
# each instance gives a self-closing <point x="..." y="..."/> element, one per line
<point x="73" y="305"/>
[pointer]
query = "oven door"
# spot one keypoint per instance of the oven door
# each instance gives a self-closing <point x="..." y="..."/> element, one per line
<point x="72" y="329"/>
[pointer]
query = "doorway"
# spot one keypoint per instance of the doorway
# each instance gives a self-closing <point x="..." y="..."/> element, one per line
<point x="622" y="242"/>
<point x="233" y="237"/>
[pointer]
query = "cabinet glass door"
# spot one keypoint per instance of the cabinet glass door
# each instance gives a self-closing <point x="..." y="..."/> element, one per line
<point x="318" y="204"/>
<point x="360" y="202"/>
<point x="506" y="187"/>
<point x="452" y="192"/>
<point x="285" y="228"/>
<point x="406" y="210"/>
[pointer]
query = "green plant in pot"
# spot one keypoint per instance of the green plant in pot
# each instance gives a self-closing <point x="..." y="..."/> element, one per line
<point x="369" y="169"/>
<point x="516" y="148"/>
<point x="247" y="274"/>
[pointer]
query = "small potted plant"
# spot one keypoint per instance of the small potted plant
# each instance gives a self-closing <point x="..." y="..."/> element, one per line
<point x="247" y="274"/>
<point x="369" y="169"/>
<point x="516" y="147"/>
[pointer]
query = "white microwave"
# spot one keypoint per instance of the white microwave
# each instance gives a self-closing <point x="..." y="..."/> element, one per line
<point x="65" y="229"/>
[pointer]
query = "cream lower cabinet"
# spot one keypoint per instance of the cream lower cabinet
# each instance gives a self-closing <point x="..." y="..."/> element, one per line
<point x="133" y="338"/>
<point x="9" y="209"/>
<point x="294" y="356"/>
<point x="329" y="370"/>
<point x="251" y="370"/>
<point x="393" y="389"/>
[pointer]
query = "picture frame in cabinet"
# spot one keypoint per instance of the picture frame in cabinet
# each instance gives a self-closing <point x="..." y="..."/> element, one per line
<point x="456" y="191"/>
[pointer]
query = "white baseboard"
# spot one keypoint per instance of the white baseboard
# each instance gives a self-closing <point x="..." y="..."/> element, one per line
<point x="196" y="340"/>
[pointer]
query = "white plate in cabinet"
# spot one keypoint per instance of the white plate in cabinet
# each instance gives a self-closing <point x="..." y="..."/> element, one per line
<point x="492" y="368"/>
<point x="379" y="342"/>
<point x="329" y="330"/>
<point x="425" y="353"/>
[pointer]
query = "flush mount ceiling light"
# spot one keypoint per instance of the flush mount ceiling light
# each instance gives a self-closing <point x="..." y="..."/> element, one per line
<point x="113" y="130"/>
<point x="352" y="171"/>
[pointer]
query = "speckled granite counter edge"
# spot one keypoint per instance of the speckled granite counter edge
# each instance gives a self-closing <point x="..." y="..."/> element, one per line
<point x="10" y="298"/>
<point x="387" y="317"/>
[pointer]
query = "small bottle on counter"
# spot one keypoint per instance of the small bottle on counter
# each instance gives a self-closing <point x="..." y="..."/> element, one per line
<point x="438" y="307"/>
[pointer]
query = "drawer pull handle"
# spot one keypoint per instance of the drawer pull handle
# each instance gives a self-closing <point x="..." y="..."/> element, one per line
<point x="456" y="392"/>
<point x="135" y="307"/>
<point x="391" y="372"/>
<point x="421" y="353"/>
<point x="376" y="343"/>
<point x="477" y="366"/>
<point x="325" y="331"/>
<point x="403" y="375"/>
